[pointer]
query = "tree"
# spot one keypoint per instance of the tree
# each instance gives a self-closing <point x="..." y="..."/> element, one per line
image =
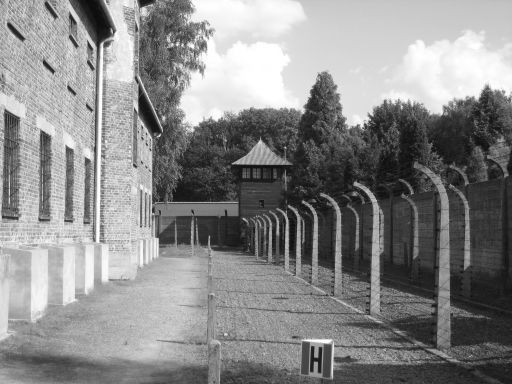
<point x="171" y="47"/>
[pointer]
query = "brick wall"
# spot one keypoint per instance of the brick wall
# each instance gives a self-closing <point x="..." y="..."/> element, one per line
<point x="60" y="103"/>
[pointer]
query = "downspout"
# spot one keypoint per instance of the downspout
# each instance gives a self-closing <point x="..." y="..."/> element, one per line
<point x="99" y="134"/>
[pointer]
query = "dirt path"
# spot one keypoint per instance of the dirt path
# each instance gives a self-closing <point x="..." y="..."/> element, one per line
<point x="149" y="330"/>
<point x="263" y="312"/>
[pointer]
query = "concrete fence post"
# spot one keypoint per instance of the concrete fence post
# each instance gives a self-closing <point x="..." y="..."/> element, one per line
<point x="214" y="362"/>
<point x="192" y="233"/>
<point x="361" y="228"/>
<point x="269" y="242"/>
<point x="197" y="231"/>
<point x="278" y="236"/>
<point x="4" y="293"/>
<point x="338" y="284"/>
<point x="414" y="242"/>
<point x="374" y="251"/>
<point x="264" y="250"/>
<point x="286" y="239"/>
<point x="314" y="246"/>
<point x="298" y="242"/>
<point x="389" y="191"/>
<point x="176" y="232"/>
<point x="256" y="238"/>
<point x="356" y="231"/>
<point x="253" y="235"/>
<point x="210" y="330"/>
<point x="442" y="331"/>
<point x="261" y="234"/>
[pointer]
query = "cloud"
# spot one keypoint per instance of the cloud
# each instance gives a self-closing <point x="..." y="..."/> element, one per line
<point x="247" y="75"/>
<point x="258" y="18"/>
<point x="436" y="73"/>
<point x="356" y="119"/>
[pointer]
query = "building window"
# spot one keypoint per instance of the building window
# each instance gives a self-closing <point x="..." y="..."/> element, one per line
<point x="51" y="5"/>
<point x="149" y="211"/>
<point x="141" y="145"/>
<point x="45" y="175"/>
<point x="140" y="209"/>
<point x="73" y="30"/>
<point x="70" y="175"/>
<point x="256" y="173"/>
<point x="87" y="192"/>
<point x="262" y="203"/>
<point x="246" y="173"/>
<point x="274" y="173"/>
<point x="10" y="198"/>
<point x="135" y="138"/>
<point x="266" y="173"/>
<point x="90" y="55"/>
<point x="145" y="209"/>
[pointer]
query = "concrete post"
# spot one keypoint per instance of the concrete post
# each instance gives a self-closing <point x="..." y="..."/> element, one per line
<point x="374" y="251"/>
<point x="286" y="239"/>
<point x="246" y="245"/>
<point x="278" y="236"/>
<point x="4" y="293"/>
<point x="261" y="237"/>
<point x="391" y="213"/>
<point x="176" y="232"/>
<point x="314" y="251"/>
<point x="504" y="225"/>
<point x="442" y="336"/>
<point x="214" y="362"/>
<point x="361" y="227"/>
<point x="265" y="234"/>
<point x="192" y="234"/>
<point x="356" y="231"/>
<point x="219" y="241"/>
<point x="407" y="186"/>
<point x="298" y="242"/>
<point x="269" y="242"/>
<point x="253" y="235"/>
<point x="256" y="238"/>
<point x="197" y="232"/>
<point x="210" y="330"/>
<point x="338" y="285"/>
<point x="414" y="242"/>
<point x="466" y="263"/>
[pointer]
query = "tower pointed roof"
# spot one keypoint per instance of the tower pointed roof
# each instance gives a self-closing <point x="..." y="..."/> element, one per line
<point x="262" y="155"/>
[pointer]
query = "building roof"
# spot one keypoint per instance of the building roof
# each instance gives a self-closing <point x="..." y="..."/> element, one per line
<point x="101" y="9"/>
<point x="146" y="107"/>
<point x="261" y="154"/>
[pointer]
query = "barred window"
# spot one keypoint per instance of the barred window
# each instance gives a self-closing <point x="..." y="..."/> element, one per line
<point x="45" y="175"/>
<point x="11" y="188"/>
<point x="256" y="173"/>
<point x="142" y="144"/>
<point x="266" y="173"/>
<point x="87" y="192"/>
<point x="149" y="211"/>
<point x="140" y="209"/>
<point x="246" y="173"/>
<point x="51" y="5"/>
<point x="90" y="55"/>
<point x="73" y="30"/>
<point x="70" y="175"/>
<point x="145" y="209"/>
<point x="274" y="173"/>
<point x="135" y="138"/>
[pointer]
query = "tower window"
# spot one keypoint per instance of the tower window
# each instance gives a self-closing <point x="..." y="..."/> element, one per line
<point x="266" y="173"/>
<point x="274" y="173"/>
<point x="246" y="173"/>
<point x="256" y="173"/>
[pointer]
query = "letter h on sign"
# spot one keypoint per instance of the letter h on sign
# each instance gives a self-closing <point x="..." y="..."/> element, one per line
<point x="317" y="358"/>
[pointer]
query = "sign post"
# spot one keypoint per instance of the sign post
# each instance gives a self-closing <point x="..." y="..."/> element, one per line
<point x="317" y="358"/>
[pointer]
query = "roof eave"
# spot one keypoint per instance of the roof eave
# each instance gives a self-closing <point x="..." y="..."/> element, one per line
<point x="143" y="95"/>
<point x="106" y="16"/>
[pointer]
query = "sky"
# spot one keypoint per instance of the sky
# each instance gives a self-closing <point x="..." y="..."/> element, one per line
<point x="267" y="53"/>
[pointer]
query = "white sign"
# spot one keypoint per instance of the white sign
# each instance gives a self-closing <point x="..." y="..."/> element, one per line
<point x="317" y="359"/>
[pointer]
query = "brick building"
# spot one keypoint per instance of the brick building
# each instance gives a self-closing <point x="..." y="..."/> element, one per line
<point x="76" y="127"/>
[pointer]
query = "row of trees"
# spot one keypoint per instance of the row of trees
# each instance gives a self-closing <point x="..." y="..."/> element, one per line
<point x="328" y="155"/>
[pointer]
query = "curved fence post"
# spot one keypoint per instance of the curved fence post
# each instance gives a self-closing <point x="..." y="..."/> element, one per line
<point x="269" y="241"/>
<point x="504" y="224"/>
<point x="461" y="173"/>
<point x="286" y="239"/>
<point x="278" y="236"/>
<point x="361" y="227"/>
<point x="257" y="238"/>
<point x="442" y="337"/>
<point x="314" y="250"/>
<point x="407" y="186"/>
<point x="414" y="248"/>
<point x="298" y="242"/>
<point x="337" y="246"/>
<point x="247" y="226"/>
<point x="253" y="235"/>
<point x="357" y="234"/>
<point x="192" y="220"/>
<point x="389" y="191"/>
<point x="264" y="249"/>
<point x="374" y="307"/>
<point x="466" y="263"/>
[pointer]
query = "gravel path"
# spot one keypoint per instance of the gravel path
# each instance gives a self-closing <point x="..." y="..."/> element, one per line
<point x="263" y="313"/>
<point x="150" y="330"/>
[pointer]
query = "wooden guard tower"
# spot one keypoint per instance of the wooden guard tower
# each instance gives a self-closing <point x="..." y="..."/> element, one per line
<point x="261" y="180"/>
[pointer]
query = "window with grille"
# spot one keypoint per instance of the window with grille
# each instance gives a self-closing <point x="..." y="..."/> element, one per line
<point x="70" y="175"/>
<point x="87" y="192"/>
<point x="246" y="173"/>
<point x="267" y="173"/>
<point x="149" y="211"/>
<point x="274" y="173"/>
<point x="142" y="144"/>
<point x="51" y="5"/>
<point x="256" y="173"/>
<point x="135" y="138"/>
<point x="90" y="55"/>
<point x="140" y="209"/>
<point x="145" y="209"/>
<point x="11" y="187"/>
<point x="73" y="30"/>
<point x="45" y="175"/>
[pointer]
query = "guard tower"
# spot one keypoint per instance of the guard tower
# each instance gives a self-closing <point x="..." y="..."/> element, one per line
<point x="261" y="174"/>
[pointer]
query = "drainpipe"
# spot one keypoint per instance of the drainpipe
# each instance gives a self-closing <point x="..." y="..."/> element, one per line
<point x="99" y="134"/>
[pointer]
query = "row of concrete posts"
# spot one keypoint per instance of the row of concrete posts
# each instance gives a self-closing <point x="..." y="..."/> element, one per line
<point x="32" y="278"/>
<point x="261" y="233"/>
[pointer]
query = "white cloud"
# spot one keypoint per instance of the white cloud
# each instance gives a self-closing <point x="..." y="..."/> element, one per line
<point x="247" y="75"/>
<point x="434" y="74"/>
<point x="356" y="119"/>
<point x="258" y="18"/>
